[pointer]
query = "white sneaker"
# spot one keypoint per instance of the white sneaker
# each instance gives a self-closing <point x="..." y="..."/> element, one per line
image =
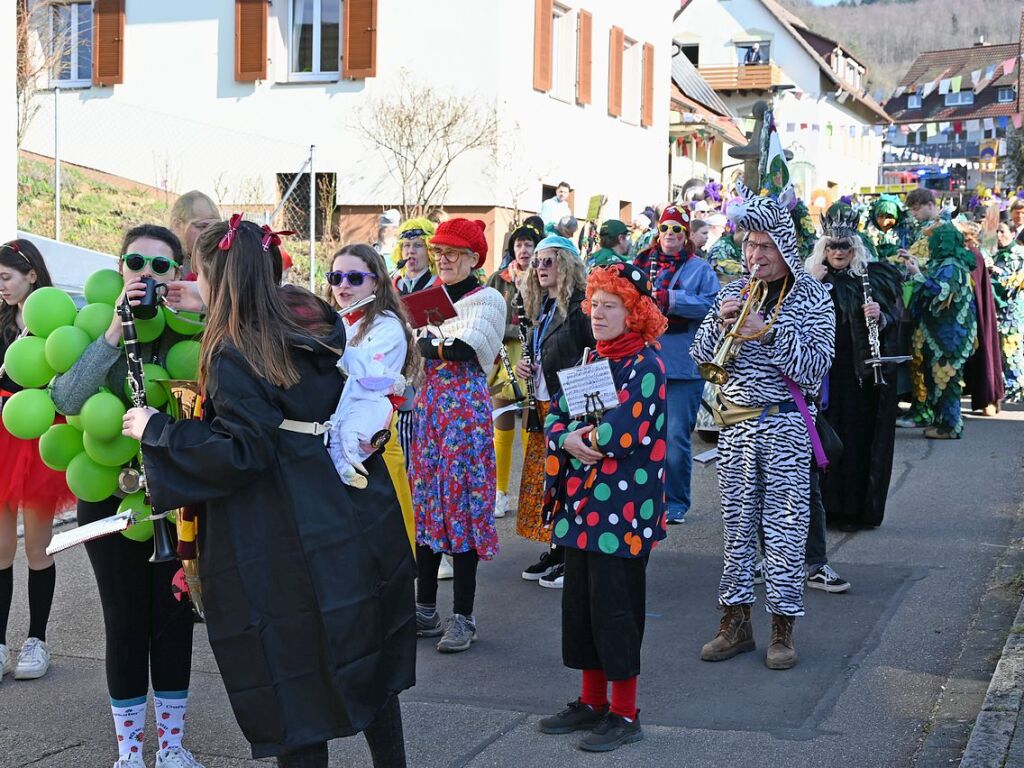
<point x="501" y="504"/>
<point x="445" y="570"/>
<point x="33" y="661"/>
<point x="133" y="760"/>
<point x="176" y="757"/>
<point x="907" y="423"/>
<point x="5" y="660"/>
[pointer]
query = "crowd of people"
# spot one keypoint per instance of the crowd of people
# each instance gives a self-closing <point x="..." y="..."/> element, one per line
<point x="356" y="447"/>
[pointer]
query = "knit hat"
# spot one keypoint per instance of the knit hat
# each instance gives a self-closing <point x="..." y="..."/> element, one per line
<point x="557" y="241"/>
<point x="463" y="233"/>
<point x="613" y="228"/>
<point x="636" y="277"/>
<point x="677" y="214"/>
<point x="524" y="232"/>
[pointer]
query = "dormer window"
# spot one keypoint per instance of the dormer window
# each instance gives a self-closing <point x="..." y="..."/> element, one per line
<point x="1005" y="94"/>
<point x="961" y="99"/>
<point x="913" y="101"/>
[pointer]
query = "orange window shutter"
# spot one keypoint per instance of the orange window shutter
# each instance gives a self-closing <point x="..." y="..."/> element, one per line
<point x="250" y="40"/>
<point x="647" y="91"/>
<point x="616" y="42"/>
<point x="542" y="49"/>
<point x="359" y="52"/>
<point x="584" y="57"/>
<point x="108" y="42"/>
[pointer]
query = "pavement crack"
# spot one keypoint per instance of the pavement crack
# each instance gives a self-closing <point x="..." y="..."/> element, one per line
<point x="464" y="759"/>
<point x="52" y="752"/>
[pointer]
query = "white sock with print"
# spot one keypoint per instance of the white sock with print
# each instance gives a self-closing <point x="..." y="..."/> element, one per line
<point x="170" y="717"/>
<point x="129" y="725"/>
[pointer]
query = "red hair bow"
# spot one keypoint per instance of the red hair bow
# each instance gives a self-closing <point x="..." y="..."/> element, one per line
<point x="270" y="237"/>
<point x="229" y="236"/>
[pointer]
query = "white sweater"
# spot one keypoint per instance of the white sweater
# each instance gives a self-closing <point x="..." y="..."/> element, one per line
<point x="480" y="323"/>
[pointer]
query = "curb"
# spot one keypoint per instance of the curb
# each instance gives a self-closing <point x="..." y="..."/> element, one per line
<point x="994" y="727"/>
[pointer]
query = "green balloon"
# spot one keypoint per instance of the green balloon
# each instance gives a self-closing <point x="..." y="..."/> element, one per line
<point x="104" y="287"/>
<point x="136" y="502"/>
<point x="60" y="444"/>
<point x="150" y="330"/>
<point x="90" y="481"/>
<point x="94" y="319"/>
<point x="47" y="309"/>
<point x="183" y="360"/>
<point x="28" y="414"/>
<point x="184" y="323"/>
<point x="64" y="346"/>
<point x="102" y="416"/>
<point x="25" y="362"/>
<point x="156" y="396"/>
<point x="75" y="421"/>
<point x="110" y="453"/>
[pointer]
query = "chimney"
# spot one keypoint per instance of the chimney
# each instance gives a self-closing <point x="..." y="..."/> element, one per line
<point x="981" y="42"/>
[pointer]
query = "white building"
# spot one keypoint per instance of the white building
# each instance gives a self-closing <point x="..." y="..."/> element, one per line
<point x="227" y="97"/>
<point x="821" y="111"/>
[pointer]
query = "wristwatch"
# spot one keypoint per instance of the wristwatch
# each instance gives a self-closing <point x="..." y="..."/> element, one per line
<point x="769" y="338"/>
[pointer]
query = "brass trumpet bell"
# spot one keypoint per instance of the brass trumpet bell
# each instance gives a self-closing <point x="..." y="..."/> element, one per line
<point x="754" y="295"/>
<point x="714" y="373"/>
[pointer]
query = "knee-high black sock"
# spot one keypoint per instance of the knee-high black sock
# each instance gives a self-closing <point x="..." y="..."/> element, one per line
<point x="6" y="595"/>
<point x="40" y="599"/>
<point x="427" y="563"/>
<point x="464" y="584"/>
<point x="385" y="738"/>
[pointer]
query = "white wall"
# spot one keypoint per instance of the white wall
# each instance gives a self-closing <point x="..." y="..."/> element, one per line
<point x="69" y="265"/>
<point x="179" y="120"/>
<point x="8" y="125"/>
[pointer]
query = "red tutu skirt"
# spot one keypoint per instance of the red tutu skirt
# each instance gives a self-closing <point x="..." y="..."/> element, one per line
<point x="25" y="482"/>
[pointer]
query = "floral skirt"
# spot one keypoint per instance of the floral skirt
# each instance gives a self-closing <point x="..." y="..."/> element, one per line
<point x="529" y="517"/>
<point x="453" y="464"/>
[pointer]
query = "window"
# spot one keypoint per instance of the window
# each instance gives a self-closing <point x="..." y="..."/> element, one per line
<point x="913" y="101"/>
<point x="71" y="45"/>
<point x="1005" y="94"/>
<point x="563" y="54"/>
<point x="746" y="53"/>
<point x="314" y="47"/>
<point x="632" y="75"/>
<point x="959" y="99"/>
<point x="692" y="52"/>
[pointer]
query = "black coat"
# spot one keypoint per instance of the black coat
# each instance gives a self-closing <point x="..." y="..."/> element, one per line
<point x="563" y="343"/>
<point x="308" y="584"/>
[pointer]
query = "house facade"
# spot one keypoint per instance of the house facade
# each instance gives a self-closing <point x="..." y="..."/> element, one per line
<point x="227" y="96"/>
<point x="753" y="50"/>
<point x="952" y="110"/>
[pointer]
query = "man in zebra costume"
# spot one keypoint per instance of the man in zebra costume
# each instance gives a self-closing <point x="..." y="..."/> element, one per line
<point x="765" y="456"/>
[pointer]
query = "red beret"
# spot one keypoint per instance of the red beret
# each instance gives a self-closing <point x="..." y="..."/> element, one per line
<point x="463" y="233"/>
<point x="678" y="215"/>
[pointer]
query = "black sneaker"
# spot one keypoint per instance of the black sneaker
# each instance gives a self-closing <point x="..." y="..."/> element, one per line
<point x="554" y="579"/>
<point x="577" y="716"/>
<point x="827" y="580"/>
<point x="547" y="563"/>
<point x="611" y="733"/>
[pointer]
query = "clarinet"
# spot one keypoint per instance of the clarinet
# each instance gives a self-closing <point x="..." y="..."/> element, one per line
<point x="163" y="545"/>
<point x="874" y="344"/>
<point x="532" y="416"/>
<point x="506" y="361"/>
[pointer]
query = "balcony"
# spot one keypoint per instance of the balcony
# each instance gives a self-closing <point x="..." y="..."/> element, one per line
<point x="750" y="77"/>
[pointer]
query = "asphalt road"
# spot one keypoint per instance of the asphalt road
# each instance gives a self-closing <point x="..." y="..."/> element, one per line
<point x="890" y="673"/>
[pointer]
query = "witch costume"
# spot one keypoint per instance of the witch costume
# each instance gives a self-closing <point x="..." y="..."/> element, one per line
<point x="1007" y="281"/>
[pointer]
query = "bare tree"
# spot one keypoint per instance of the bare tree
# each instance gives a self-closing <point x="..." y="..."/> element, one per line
<point x="43" y="47"/>
<point x="421" y="133"/>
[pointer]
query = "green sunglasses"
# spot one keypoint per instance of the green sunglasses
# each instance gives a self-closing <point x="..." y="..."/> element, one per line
<point x="160" y="265"/>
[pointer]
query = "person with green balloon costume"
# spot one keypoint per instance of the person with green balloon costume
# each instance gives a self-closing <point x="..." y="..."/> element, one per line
<point x="26" y="483"/>
<point x="148" y="626"/>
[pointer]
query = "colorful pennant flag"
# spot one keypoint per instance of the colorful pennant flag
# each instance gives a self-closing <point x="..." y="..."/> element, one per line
<point x="955" y="83"/>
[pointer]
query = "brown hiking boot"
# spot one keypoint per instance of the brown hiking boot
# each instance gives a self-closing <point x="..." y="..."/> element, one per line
<point x="735" y="635"/>
<point x="781" y="653"/>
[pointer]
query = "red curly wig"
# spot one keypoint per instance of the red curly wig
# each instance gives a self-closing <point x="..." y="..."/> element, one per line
<point x="642" y="314"/>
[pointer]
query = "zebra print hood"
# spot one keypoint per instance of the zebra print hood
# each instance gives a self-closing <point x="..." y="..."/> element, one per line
<point x="768" y="215"/>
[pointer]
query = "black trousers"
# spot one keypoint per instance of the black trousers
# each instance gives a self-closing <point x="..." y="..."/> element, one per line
<point x="384" y="737"/>
<point x="604" y="606"/>
<point x="148" y="630"/>
<point x="464" y="566"/>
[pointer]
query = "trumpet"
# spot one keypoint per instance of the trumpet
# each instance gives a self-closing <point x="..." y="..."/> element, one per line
<point x="754" y="294"/>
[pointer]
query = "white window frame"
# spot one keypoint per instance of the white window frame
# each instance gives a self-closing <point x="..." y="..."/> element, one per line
<point x="313" y="77"/>
<point x="959" y="99"/>
<point x="564" y="37"/>
<point x="632" y="81"/>
<point x="1008" y="90"/>
<point x="914" y="101"/>
<point x="73" y="80"/>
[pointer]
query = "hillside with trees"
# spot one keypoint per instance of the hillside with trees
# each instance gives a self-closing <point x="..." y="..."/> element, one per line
<point x="887" y="35"/>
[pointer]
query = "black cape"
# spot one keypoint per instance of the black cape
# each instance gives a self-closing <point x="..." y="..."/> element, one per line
<point x="854" y="489"/>
<point x="308" y="584"/>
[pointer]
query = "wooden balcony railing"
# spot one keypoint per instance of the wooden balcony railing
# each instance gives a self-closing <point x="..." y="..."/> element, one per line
<point x="750" y="77"/>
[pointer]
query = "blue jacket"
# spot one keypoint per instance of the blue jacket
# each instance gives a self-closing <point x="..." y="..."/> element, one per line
<point x="691" y="297"/>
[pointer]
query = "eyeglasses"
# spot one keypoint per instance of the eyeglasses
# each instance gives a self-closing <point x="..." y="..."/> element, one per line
<point x="136" y="262"/>
<point x="547" y="262"/>
<point x="450" y="256"/>
<point x="354" y="278"/>
<point x="758" y="245"/>
<point x="839" y="245"/>
<point x="675" y="229"/>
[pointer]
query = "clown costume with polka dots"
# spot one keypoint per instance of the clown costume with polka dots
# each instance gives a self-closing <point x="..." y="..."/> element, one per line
<point x="605" y="496"/>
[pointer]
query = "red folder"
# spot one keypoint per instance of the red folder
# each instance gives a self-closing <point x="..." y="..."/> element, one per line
<point x="431" y="306"/>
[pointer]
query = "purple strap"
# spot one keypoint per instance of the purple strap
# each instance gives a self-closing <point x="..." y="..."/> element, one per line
<point x="812" y="430"/>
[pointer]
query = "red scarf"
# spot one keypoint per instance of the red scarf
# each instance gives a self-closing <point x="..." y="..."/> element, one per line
<point x="626" y="345"/>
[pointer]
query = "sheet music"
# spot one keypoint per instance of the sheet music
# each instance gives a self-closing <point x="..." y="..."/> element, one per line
<point x="84" y="533"/>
